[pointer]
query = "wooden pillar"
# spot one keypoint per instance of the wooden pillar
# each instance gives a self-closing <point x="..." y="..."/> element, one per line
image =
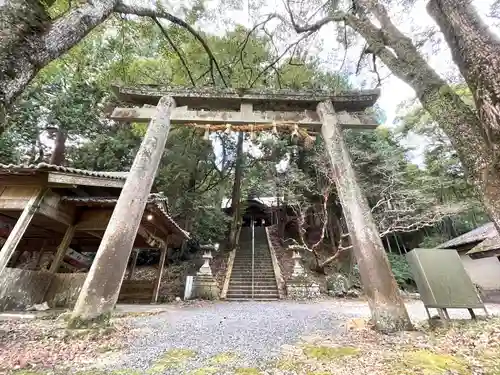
<point x="101" y="288"/>
<point x="62" y="249"/>
<point x="386" y="305"/>
<point x="135" y="255"/>
<point x="17" y="232"/>
<point x="156" y="291"/>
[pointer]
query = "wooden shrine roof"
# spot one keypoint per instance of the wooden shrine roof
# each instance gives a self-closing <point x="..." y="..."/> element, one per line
<point x="262" y="100"/>
<point x="56" y="174"/>
<point x="156" y="204"/>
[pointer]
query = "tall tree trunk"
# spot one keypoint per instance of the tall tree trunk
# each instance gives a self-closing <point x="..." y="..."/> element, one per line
<point x="459" y="122"/>
<point x="476" y="51"/>
<point x="236" y="194"/>
<point x="59" y="152"/>
<point x="29" y="40"/>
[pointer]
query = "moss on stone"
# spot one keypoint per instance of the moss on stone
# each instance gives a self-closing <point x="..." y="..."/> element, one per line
<point x="329" y="353"/>
<point x="247" y="371"/>
<point x="102" y="320"/>
<point x="429" y="363"/>
<point x="170" y="359"/>
<point x="223" y="358"/>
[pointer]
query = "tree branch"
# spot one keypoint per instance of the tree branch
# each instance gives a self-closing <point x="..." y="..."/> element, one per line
<point x="275" y="61"/>
<point x="139" y="10"/>
<point x="174" y="47"/>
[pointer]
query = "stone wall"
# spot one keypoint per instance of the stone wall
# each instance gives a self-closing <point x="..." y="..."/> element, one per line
<point x="64" y="289"/>
<point x="22" y="288"/>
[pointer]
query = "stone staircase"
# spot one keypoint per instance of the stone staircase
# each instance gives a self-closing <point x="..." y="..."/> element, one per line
<point x="240" y="282"/>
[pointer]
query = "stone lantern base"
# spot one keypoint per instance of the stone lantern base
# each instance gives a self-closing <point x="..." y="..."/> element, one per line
<point x="205" y="287"/>
<point x="301" y="287"/>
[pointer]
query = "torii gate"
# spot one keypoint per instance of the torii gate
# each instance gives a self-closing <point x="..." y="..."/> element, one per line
<point x="243" y="110"/>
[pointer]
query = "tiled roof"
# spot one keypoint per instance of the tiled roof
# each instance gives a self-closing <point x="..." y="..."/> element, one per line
<point x="111" y="201"/>
<point x="156" y="201"/>
<point x="25" y="168"/>
<point x="489" y="244"/>
<point x="487" y="230"/>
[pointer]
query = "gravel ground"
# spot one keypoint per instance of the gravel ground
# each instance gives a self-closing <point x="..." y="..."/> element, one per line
<point x="250" y="333"/>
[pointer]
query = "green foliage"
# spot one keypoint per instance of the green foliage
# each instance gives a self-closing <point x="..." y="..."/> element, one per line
<point x="400" y="269"/>
<point x="210" y="225"/>
<point x="443" y="174"/>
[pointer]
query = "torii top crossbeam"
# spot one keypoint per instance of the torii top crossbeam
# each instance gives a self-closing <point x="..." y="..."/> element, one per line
<point x="225" y="106"/>
<point x="261" y="99"/>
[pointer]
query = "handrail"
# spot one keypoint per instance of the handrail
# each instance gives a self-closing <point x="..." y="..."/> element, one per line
<point x="280" y="282"/>
<point x="229" y="270"/>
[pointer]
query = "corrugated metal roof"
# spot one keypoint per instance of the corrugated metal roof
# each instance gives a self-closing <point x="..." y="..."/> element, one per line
<point x="25" y="168"/>
<point x="487" y="230"/>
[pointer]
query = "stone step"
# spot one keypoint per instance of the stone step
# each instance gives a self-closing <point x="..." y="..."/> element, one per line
<point x="256" y="277"/>
<point x="248" y="293"/>
<point x="244" y="299"/>
<point x="248" y="286"/>
<point x="255" y="270"/>
<point x="248" y="276"/>
<point x="258" y="297"/>
<point x="248" y="289"/>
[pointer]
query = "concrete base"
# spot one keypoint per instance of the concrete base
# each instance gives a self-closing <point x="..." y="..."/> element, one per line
<point x="205" y="287"/>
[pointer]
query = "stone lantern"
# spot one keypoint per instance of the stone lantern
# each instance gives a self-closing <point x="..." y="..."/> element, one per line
<point x="204" y="284"/>
<point x="298" y="269"/>
<point x="207" y="257"/>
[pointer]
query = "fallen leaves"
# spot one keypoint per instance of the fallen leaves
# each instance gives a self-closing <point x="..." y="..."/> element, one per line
<point x="47" y="344"/>
<point x="466" y="348"/>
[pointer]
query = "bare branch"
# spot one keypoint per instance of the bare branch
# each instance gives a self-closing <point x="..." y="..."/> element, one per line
<point x="160" y="13"/>
<point x="275" y="61"/>
<point x="177" y="51"/>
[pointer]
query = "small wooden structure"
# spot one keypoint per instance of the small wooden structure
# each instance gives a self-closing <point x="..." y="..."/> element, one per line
<point x="52" y="209"/>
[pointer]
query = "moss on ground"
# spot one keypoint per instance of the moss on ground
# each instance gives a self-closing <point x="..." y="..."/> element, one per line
<point x="247" y="371"/>
<point x="205" y="371"/>
<point x="223" y="358"/>
<point x="170" y="359"/>
<point x="429" y="363"/>
<point x="329" y="353"/>
<point x="290" y="365"/>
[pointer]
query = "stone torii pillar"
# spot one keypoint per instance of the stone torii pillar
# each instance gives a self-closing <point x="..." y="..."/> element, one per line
<point x="386" y="305"/>
<point x="102" y="285"/>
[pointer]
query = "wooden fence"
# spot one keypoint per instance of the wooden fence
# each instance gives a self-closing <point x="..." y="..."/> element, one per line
<point x="136" y="291"/>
